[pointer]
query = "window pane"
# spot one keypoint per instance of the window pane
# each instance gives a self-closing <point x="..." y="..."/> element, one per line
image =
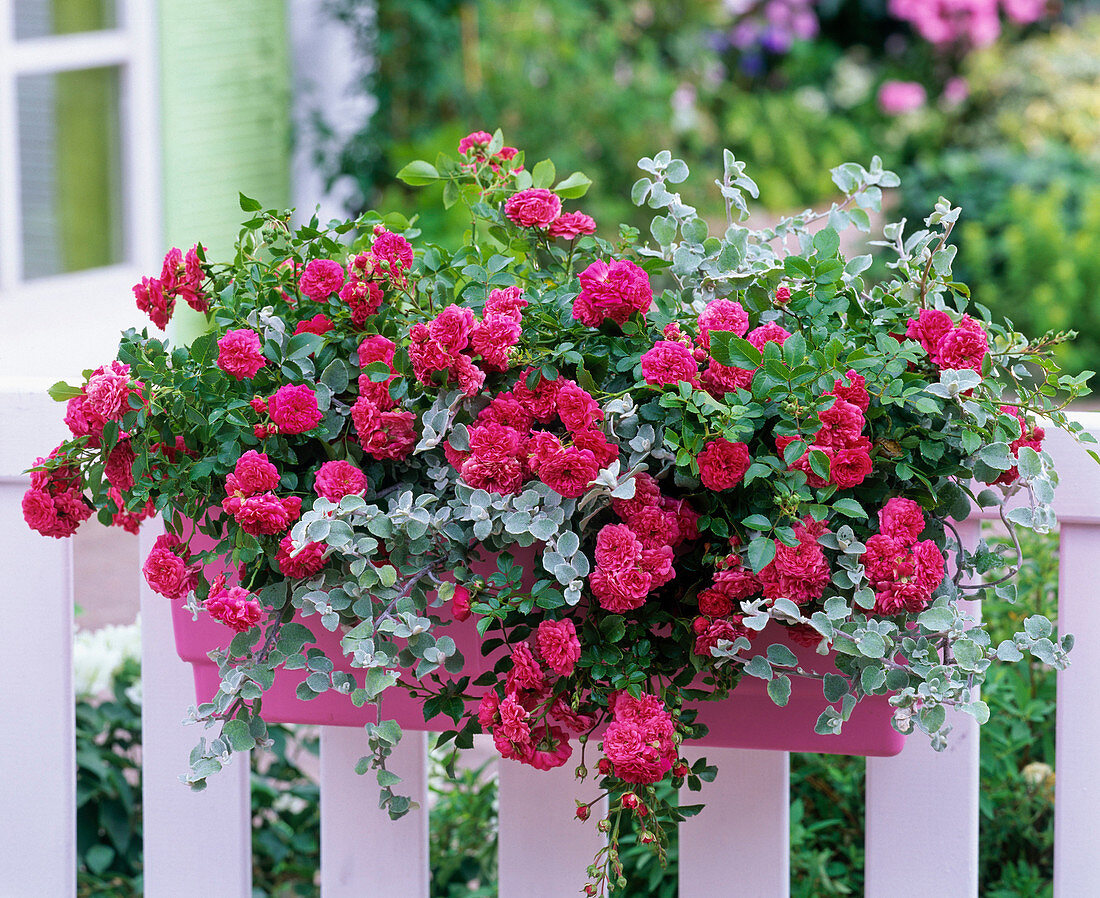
<point x="40" y="18"/>
<point x="70" y="170"/>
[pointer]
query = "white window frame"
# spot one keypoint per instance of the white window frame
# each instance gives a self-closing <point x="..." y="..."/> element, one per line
<point x="87" y="304"/>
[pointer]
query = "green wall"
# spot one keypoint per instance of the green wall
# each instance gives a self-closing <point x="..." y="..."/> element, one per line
<point x="225" y="115"/>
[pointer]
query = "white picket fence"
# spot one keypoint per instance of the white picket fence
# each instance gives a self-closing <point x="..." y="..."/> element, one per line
<point x="921" y="813"/>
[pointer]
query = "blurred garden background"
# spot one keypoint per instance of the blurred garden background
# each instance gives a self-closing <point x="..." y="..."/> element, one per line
<point x="994" y="104"/>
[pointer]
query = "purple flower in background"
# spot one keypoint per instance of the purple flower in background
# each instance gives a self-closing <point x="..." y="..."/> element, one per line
<point x="772" y="26"/>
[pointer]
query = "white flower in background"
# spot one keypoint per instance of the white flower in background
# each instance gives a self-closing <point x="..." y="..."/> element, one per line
<point x="97" y="654"/>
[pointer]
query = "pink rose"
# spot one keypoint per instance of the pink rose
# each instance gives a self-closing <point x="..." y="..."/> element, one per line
<point x="569" y="471"/>
<point x="494" y="338"/>
<point x="240" y="353"/>
<point x="319" y="324"/>
<point x="151" y="299"/>
<point x="235" y="607"/>
<point x="526" y="674"/>
<point x="559" y="646"/>
<point x="321" y="278"/>
<point x="452" y="327"/>
<point x="293" y="409"/>
<point x="306" y="562"/>
<point x="614" y="291"/>
<point x="105" y="396"/>
<point x="507" y="302"/>
<point x="722" y="315"/>
<point x="570" y="225"/>
<point x="767" y="333"/>
<point x="253" y="473"/>
<point x="639" y="741"/>
<point x="393" y="250"/>
<point x="902" y="519"/>
<point x="722" y="464"/>
<point x="460" y="607"/>
<point x="576" y="407"/>
<point x="476" y="141"/>
<point x="364" y="298"/>
<point x="965" y="346"/>
<point x="265" y="514"/>
<point x="617" y="548"/>
<point x="376" y="349"/>
<point x="336" y="479"/>
<point x="165" y="571"/>
<point x="669" y="363"/>
<point x="535" y="207"/>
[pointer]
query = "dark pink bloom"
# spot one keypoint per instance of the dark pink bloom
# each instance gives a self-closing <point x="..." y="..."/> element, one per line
<point x="639" y="740"/>
<point x="235" y="607"/>
<point x="336" y="479"/>
<point x="722" y="464"/>
<point x="558" y="645"/>
<point x="669" y="363"/>
<point x="305" y="563"/>
<point x="151" y="299"/>
<point x="570" y="225"/>
<point x="902" y="519"/>
<point x="321" y="278"/>
<point x="293" y="408"/>
<point x="240" y="353"/>
<point x="569" y="471"/>
<point x="165" y="571"/>
<point x="535" y="207"/>
<point x="319" y="324"/>
<point x="614" y="291"/>
<point x="722" y="315"/>
<point x="476" y="141"/>
<point x="253" y="474"/>
<point x="767" y="333"/>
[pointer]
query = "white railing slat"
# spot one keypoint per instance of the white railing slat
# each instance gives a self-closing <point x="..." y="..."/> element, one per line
<point x="1077" y="767"/>
<point x="37" y="722"/>
<point x="927" y="801"/>
<point x="217" y="820"/>
<point x="739" y="846"/>
<point x="544" y="848"/>
<point x="37" y="737"/>
<point x="364" y="854"/>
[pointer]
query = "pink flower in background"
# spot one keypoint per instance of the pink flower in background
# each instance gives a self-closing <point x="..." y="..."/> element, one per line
<point x="294" y="409"/>
<point x="321" y="278"/>
<point x="535" y="207"/>
<point x="767" y="333"/>
<point x="1024" y="12"/>
<point x="240" y="353"/>
<point x="570" y="225"/>
<point x="336" y="479"/>
<point x="955" y="91"/>
<point x="901" y="97"/>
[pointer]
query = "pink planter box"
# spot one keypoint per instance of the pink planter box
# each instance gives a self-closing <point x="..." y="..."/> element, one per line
<point x="747" y="719"/>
